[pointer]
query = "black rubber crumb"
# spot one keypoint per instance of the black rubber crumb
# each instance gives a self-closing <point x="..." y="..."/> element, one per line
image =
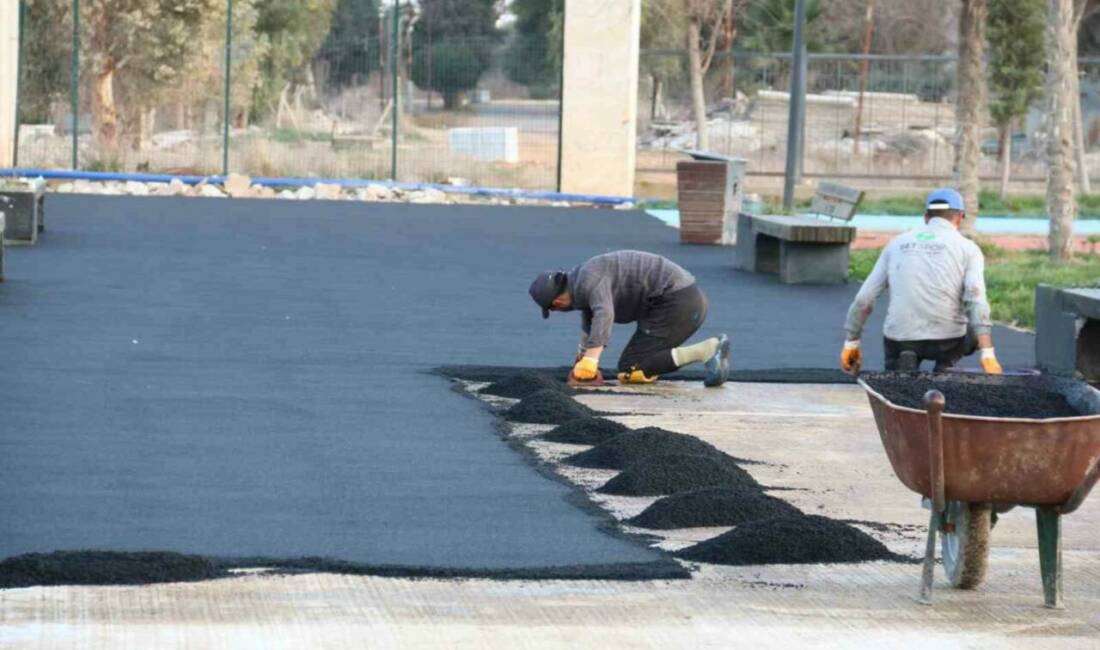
<point x="712" y="507"/>
<point x="794" y="539"/>
<point x="587" y="431"/>
<point x="523" y="383"/>
<point x="547" y="406"/>
<point x="644" y="443"/>
<point x="104" y="568"/>
<point x="677" y="473"/>
<point x="966" y="396"/>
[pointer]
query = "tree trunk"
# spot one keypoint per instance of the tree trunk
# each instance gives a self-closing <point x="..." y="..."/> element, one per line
<point x="698" y="99"/>
<point x="104" y="109"/>
<point x="970" y="106"/>
<point x="655" y="99"/>
<point x="452" y="100"/>
<point x="729" y="31"/>
<point x="1061" y="93"/>
<point x="1005" y="137"/>
<point x="868" y="33"/>
<point x="1079" y="147"/>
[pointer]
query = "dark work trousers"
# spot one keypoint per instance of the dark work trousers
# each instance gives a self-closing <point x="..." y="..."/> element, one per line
<point x="669" y="320"/>
<point x="945" y="353"/>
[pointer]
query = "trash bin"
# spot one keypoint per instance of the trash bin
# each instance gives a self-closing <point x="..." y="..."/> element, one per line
<point x="710" y="191"/>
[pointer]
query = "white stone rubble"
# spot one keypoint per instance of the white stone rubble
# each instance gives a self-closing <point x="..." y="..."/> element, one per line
<point x="241" y="186"/>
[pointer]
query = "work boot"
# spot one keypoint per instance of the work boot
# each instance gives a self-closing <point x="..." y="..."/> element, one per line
<point x="718" y="366"/>
<point x="636" y="377"/>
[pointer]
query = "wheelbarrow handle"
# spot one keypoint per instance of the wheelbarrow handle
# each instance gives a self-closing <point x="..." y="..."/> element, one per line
<point x="935" y="402"/>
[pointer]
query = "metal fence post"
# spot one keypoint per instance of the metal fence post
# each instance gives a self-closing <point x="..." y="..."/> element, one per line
<point x="797" y="113"/>
<point x="395" y="52"/>
<point x="74" y="80"/>
<point x="561" y="101"/>
<point x="228" y="59"/>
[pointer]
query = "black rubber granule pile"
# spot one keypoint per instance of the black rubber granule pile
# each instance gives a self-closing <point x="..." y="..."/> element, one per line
<point x="547" y="406"/>
<point x="712" y="507"/>
<point x="641" y="444"/>
<point x="523" y="383"/>
<point x="104" y="568"/>
<point x="589" y="431"/>
<point x="796" y="539"/>
<point x="982" y="398"/>
<point x="677" y="473"/>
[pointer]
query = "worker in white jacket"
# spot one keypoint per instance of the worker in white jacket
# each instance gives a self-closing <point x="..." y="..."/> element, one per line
<point x="938" y="309"/>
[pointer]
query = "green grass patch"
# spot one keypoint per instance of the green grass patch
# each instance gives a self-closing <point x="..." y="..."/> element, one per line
<point x="290" y="136"/>
<point x="908" y="205"/>
<point x="1010" y="278"/>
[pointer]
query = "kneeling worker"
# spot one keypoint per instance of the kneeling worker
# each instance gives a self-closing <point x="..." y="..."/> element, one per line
<point x="629" y="286"/>
<point x="938" y="309"/>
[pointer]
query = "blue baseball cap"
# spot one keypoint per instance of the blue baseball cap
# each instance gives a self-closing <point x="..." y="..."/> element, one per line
<point x="944" y="198"/>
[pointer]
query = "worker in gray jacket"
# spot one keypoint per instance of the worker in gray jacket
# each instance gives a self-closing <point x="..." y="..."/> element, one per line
<point x="938" y="309"/>
<point x="627" y="287"/>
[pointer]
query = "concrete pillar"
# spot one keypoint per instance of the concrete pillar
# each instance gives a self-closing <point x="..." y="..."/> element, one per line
<point x="9" y="78"/>
<point x="600" y="96"/>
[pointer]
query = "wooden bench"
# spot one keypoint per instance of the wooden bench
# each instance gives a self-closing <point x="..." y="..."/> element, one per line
<point x="23" y="203"/>
<point x="802" y="249"/>
<point x="1067" y="331"/>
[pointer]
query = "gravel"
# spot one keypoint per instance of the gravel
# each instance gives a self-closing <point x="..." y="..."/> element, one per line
<point x="645" y="443"/>
<point x="982" y="396"/>
<point x="793" y="539"/>
<point x="547" y="406"/>
<point x="677" y="473"/>
<point x="586" y="431"/>
<point x="524" y="383"/>
<point x="722" y="506"/>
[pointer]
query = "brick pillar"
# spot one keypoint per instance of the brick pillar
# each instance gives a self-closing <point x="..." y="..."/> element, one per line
<point x="709" y="194"/>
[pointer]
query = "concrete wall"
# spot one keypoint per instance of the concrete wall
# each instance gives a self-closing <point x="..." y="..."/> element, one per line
<point x="600" y="96"/>
<point x="9" y="77"/>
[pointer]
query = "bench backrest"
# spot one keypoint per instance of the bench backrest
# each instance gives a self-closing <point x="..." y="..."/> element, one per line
<point x="836" y="201"/>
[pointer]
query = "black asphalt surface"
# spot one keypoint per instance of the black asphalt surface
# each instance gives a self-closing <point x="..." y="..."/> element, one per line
<point x="237" y="378"/>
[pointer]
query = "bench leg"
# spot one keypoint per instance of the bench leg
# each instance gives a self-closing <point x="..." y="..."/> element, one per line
<point x="744" y="250"/>
<point x="806" y="263"/>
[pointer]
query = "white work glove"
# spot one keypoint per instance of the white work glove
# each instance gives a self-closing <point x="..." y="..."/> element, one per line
<point x="990" y="363"/>
<point x="851" y="358"/>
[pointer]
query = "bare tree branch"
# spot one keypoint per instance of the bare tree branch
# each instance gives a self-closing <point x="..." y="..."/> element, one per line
<point x="722" y="11"/>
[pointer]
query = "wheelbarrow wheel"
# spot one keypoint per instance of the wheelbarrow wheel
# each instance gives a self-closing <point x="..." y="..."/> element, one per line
<point x="966" y="542"/>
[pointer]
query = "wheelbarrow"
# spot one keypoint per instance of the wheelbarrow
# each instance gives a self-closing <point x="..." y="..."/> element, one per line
<point x="971" y="468"/>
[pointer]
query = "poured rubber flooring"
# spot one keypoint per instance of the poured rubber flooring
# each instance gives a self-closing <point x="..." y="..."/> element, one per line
<point x="252" y="379"/>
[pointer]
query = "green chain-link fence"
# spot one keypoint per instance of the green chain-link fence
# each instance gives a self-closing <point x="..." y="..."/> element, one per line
<point x="372" y="94"/>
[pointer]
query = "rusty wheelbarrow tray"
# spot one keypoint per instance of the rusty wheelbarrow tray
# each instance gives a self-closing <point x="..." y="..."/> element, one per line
<point x="970" y="467"/>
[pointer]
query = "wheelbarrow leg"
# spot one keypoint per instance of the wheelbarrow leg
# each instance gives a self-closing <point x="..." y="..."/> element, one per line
<point x="929" y="568"/>
<point x="1049" y="525"/>
<point x="934" y="402"/>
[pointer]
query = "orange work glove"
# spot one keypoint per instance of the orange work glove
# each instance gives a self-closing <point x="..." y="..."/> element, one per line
<point x="586" y="369"/>
<point x="851" y="358"/>
<point x="989" y="362"/>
